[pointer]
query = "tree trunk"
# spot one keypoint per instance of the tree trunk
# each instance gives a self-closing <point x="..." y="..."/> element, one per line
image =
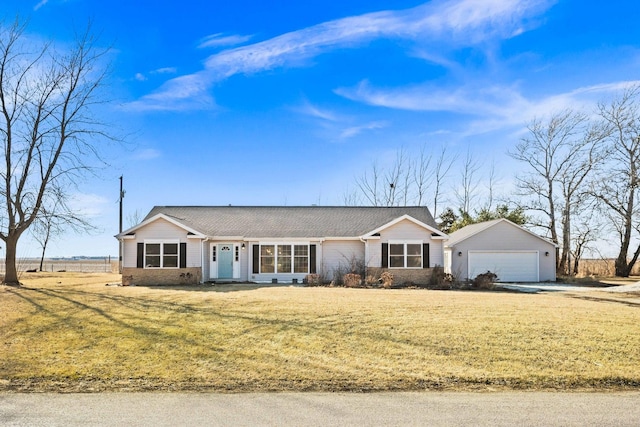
<point x="622" y="268"/>
<point x="564" y="267"/>
<point x="44" y="248"/>
<point x="11" y="271"/>
<point x="45" y="241"/>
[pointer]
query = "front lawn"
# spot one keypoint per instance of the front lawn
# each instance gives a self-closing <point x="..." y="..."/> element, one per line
<point x="61" y="335"/>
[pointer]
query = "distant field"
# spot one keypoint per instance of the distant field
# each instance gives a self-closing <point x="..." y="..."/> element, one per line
<point x="105" y="265"/>
<point x="601" y="268"/>
<point x="70" y="332"/>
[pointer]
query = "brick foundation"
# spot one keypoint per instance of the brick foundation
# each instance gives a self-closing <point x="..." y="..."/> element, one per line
<point x="401" y="276"/>
<point x="150" y="277"/>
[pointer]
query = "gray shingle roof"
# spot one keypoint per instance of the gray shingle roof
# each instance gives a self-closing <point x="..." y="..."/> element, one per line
<point x="288" y="221"/>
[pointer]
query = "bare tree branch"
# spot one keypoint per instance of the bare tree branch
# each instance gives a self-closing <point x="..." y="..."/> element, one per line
<point x="48" y="135"/>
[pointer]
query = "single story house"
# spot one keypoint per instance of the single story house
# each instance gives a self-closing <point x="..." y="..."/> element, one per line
<point x="510" y="251"/>
<point x="195" y="244"/>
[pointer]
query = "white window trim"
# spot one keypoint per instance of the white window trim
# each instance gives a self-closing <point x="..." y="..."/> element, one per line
<point x="293" y="256"/>
<point x="405" y="243"/>
<point x="162" y="242"/>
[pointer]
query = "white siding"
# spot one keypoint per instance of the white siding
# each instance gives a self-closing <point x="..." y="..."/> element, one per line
<point x="374" y="253"/>
<point x="130" y="254"/>
<point x="159" y="230"/>
<point x="407" y="230"/>
<point x="336" y="253"/>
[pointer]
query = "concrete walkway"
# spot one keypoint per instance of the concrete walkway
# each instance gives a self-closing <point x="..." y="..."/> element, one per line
<point x="321" y="409"/>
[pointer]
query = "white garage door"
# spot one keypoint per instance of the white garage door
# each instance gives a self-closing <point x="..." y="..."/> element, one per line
<point x="510" y="266"/>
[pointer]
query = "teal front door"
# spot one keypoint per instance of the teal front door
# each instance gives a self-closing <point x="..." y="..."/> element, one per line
<point x="225" y="261"/>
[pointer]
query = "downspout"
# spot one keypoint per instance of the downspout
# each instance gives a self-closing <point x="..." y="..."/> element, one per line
<point x="366" y="254"/>
<point x="202" y="242"/>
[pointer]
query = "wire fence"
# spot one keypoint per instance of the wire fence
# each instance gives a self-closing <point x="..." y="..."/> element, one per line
<point x="106" y="265"/>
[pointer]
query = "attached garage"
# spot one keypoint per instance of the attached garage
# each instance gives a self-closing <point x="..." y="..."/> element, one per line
<point x="510" y="251"/>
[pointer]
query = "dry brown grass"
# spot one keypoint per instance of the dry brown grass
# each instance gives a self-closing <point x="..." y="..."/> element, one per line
<point x="601" y="268"/>
<point x="80" y="335"/>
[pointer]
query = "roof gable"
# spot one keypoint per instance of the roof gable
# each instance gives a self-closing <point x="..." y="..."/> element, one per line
<point x="437" y="233"/>
<point x="289" y="221"/>
<point x="473" y="229"/>
<point x="192" y="232"/>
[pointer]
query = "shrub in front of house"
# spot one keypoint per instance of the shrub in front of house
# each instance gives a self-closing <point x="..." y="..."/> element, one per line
<point x="386" y="279"/>
<point x="439" y="279"/>
<point x="352" y="280"/>
<point x="484" y="280"/>
<point x="312" y="280"/>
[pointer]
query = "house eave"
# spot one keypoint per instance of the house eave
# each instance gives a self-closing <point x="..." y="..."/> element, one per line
<point x="439" y="234"/>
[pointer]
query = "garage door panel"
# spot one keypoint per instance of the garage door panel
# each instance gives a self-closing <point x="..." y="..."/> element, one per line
<point x="509" y="266"/>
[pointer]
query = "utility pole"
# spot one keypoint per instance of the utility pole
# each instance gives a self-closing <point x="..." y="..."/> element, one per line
<point x="121" y="197"/>
<point x="120" y="229"/>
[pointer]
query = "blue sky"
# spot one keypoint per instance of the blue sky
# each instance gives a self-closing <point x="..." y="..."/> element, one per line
<point x="285" y="102"/>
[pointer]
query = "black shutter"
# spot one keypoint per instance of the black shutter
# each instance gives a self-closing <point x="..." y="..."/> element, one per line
<point x="312" y="259"/>
<point x="256" y="259"/>
<point x="385" y="255"/>
<point x="183" y="255"/>
<point x="140" y="262"/>
<point x="425" y="255"/>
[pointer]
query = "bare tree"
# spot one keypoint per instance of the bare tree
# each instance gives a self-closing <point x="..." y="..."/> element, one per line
<point x="134" y="218"/>
<point x="48" y="134"/>
<point x="585" y="234"/>
<point x="405" y="182"/>
<point x="491" y="187"/>
<point x="560" y="154"/>
<point x="394" y="177"/>
<point x="617" y="187"/>
<point x="422" y="174"/>
<point x="53" y="220"/>
<point x="43" y="229"/>
<point x="443" y="165"/>
<point x="370" y="185"/>
<point x="351" y="197"/>
<point x="466" y="193"/>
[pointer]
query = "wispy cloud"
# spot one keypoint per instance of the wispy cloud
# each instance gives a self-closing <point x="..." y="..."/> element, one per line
<point x="474" y="99"/>
<point x="141" y="77"/>
<point x="220" y="40"/>
<point x="165" y="70"/>
<point x="452" y="22"/>
<point x="311" y="110"/>
<point x="147" y="154"/>
<point x="339" y="125"/>
<point x="189" y="92"/>
<point x="355" y="130"/>
<point x="494" y="106"/>
<point x="88" y="205"/>
<point x="40" y="4"/>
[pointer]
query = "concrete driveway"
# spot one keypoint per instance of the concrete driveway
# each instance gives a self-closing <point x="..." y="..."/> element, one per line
<point x="564" y="287"/>
<point x="322" y="409"/>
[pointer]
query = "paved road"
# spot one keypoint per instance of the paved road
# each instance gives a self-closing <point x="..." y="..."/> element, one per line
<point x="321" y="409"/>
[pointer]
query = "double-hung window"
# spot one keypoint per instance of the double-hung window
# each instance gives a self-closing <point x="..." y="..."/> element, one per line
<point x="405" y="254"/>
<point x="161" y="254"/>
